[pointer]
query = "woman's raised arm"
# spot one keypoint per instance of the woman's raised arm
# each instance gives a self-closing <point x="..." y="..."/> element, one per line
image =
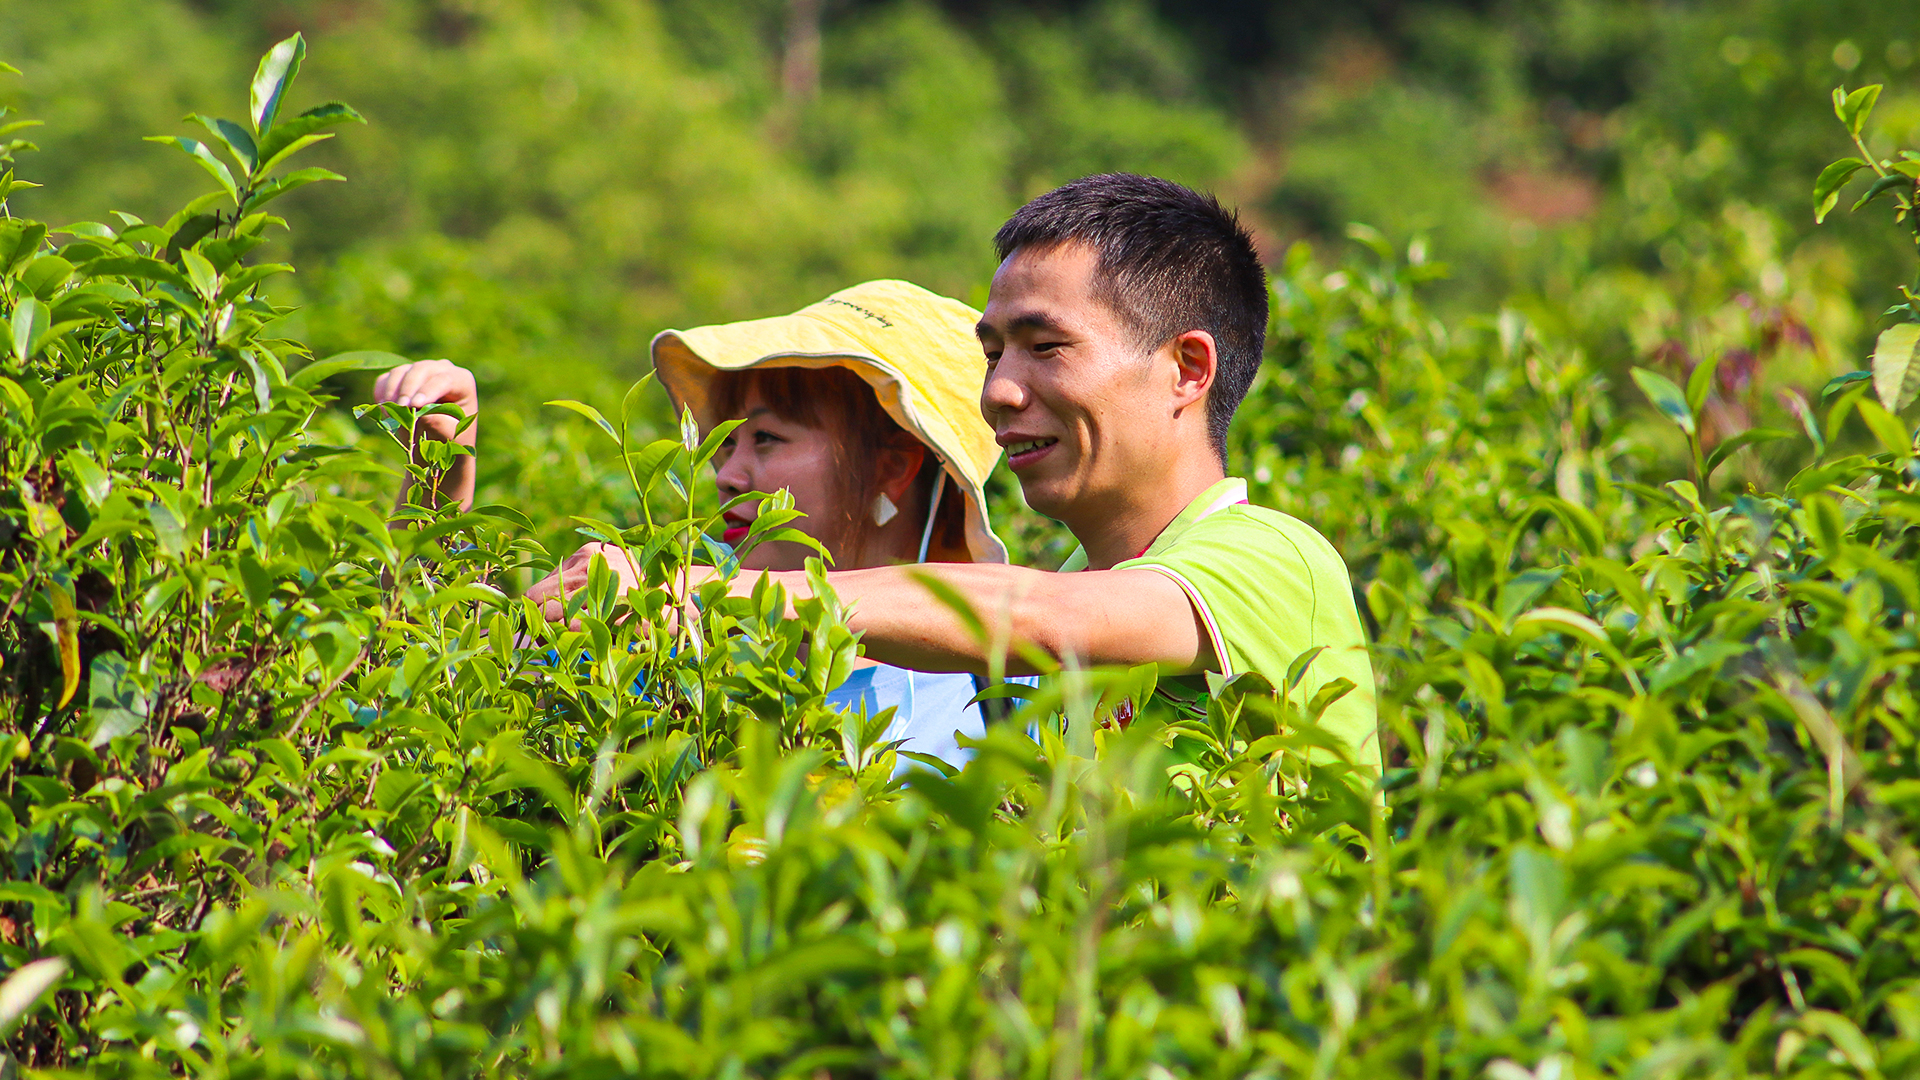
<point x="438" y="382"/>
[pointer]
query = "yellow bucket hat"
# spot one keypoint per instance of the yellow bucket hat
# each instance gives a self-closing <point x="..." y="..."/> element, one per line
<point x="915" y="348"/>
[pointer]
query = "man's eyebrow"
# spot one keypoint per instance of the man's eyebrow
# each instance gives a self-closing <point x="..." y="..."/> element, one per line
<point x="1026" y="320"/>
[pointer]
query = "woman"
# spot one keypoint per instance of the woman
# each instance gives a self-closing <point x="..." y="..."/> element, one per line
<point x="865" y="408"/>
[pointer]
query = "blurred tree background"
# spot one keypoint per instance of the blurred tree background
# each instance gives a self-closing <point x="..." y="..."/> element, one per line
<point x="544" y="185"/>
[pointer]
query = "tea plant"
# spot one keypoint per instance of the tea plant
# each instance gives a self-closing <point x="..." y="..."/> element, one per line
<point x="298" y="789"/>
<point x="222" y="667"/>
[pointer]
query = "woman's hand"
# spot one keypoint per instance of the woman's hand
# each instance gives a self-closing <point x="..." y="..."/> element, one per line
<point x="433" y="382"/>
<point x="571" y="576"/>
<point x="438" y="382"/>
<point x="573" y="573"/>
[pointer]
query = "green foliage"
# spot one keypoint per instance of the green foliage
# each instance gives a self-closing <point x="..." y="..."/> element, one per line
<point x="561" y="180"/>
<point x="1896" y="375"/>
<point x="1588" y="133"/>
<point x="218" y="667"/>
<point x="295" y="788"/>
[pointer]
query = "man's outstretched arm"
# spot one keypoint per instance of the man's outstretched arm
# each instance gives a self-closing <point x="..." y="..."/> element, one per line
<point x="1097" y="616"/>
<point x="1100" y="617"/>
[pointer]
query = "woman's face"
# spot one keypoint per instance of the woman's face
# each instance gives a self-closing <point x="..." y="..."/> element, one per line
<point x="767" y="453"/>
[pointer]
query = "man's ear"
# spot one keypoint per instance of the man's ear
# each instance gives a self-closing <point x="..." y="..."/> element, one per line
<point x="1196" y="359"/>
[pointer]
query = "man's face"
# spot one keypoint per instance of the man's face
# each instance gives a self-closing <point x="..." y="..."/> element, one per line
<point x="1081" y="412"/>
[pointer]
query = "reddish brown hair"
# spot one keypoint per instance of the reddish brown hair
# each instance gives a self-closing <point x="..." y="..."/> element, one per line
<point x="841" y="403"/>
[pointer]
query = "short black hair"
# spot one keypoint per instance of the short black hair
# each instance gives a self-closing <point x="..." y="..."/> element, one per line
<point x="1170" y="260"/>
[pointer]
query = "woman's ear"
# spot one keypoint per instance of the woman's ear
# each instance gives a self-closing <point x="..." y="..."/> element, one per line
<point x="899" y="462"/>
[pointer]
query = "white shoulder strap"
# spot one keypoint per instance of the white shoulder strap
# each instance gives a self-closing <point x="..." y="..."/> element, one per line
<point x="933" y="513"/>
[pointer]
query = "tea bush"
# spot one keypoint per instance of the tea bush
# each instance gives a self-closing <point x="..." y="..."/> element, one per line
<point x="297" y="788"/>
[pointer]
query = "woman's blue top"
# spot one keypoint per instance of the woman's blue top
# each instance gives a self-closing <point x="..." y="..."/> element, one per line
<point x="930" y="708"/>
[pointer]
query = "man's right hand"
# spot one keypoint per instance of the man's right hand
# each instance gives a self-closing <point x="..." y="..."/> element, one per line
<point x="433" y="382"/>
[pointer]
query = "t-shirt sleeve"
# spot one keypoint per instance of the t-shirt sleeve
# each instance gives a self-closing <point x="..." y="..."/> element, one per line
<point x="1223" y="655"/>
<point x="1268" y="591"/>
<point x="1252" y="584"/>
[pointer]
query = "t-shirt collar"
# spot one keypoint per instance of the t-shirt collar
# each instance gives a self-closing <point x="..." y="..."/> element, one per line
<point x="1231" y="491"/>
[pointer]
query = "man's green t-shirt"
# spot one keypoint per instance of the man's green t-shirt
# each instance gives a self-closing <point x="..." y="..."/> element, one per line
<point x="1269" y="588"/>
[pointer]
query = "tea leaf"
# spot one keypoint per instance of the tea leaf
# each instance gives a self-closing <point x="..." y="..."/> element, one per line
<point x="117" y="705"/>
<point x="590" y="413"/>
<point x="1853" y="109"/>
<point x="299" y="178"/>
<point x="339" y="363"/>
<point x="1666" y="397"/>
<point x="289" y="137"/>
<point x="66" y="634"/>
<point x="1890" y="182"/>
<point x="1845" y="1036"/>
<point x="276" y="72"/>
<point x="1700" y="383"/>
<point x="1749" y="437"/>
<point x="25" y="987"/>
<point x="234" y="138"/>
<point x="1896" y="366"/>
<point x="200" y="272"/>
<point x="1523" y="590"/>
<point x="1826" y="190"/>
<point x="203" y="157"/>
<point x="30" y="323"/>
<point x="1886" y="427"/>
<point x="1297" y="670"/>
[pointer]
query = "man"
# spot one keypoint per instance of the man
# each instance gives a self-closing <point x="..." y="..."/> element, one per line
<point x="1124" y="326"/>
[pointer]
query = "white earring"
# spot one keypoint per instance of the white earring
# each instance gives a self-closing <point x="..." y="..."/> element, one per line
<point x="883" y="509"/>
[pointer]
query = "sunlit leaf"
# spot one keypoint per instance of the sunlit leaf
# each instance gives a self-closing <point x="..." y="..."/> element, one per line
<point x="1896" y="366"/>
<point x="339" y="363"/>
<point x="25" y="987"/>
<point x="234" y="137"/>
<point x="1886" y="427"/>
<point x="270" y="81"/>
<point x="299" y="178"/>
<point x="290" y="136"/>
<point x="589" y="412"/>
<point x="66" y="632"/>
<point x="1700" y="383"/>
<point x="30" y="322"/>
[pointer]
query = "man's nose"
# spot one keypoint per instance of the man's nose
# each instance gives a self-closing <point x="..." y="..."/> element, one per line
<point x="1001" y="393"/>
